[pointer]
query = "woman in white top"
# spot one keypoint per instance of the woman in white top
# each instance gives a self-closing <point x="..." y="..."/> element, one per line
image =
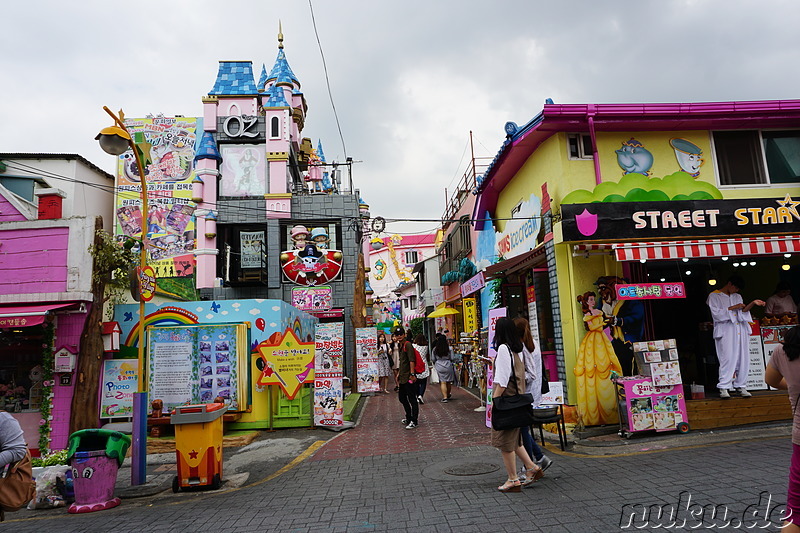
<point x="781" y="302"/>
<point x="508" y="382"/>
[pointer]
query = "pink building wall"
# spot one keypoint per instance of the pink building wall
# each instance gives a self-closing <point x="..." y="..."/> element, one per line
<point x="34" y="260"/>
<point x="68" y="334"/>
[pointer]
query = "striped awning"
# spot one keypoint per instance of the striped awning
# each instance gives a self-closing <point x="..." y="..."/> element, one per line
<point x="408" y="317"/>
<point x="741" y="246"/>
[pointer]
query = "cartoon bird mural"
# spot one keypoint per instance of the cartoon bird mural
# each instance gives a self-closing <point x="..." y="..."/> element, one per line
<point x="634" y="158"/>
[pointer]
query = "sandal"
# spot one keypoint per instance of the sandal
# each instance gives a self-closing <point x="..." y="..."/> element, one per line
<point x="532" y="475"/>
<point x="511" y="485"/>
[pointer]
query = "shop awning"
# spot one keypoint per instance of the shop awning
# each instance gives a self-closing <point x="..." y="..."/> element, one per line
<point x="527" y="259"/>
<point x="411" y="316"/>
<point x="20" y="316"/>
<point x="747" y="246"/>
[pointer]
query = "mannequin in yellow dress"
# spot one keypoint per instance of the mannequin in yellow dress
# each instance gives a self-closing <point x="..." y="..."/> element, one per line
<point x="596" y="360"/>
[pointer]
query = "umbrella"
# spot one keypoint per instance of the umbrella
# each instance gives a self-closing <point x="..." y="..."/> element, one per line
<point x="444" y="311"/>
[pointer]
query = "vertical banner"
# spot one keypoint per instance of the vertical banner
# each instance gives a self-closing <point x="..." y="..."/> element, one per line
<point x="367" y="359"/>
<point x="470" y="315"/>
<point x="755" y="378"/>
<point x="120" y="381"/>
<point x="252" y="245"/>
<point x="533" y="317"/>
<point x="494" y="314"/>
<point x="328" y="394"/>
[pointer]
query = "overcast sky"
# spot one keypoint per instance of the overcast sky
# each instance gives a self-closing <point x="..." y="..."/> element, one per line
<point x="409" y="79"/>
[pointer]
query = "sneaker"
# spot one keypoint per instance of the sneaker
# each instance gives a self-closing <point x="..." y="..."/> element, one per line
<point x="404" y="421"/>
<point x="544" y="463"/>
<point x="411" y="425"/>
<point x="744" y="392"/>
<point x="444" y="400"/>
<point x="723" y="393"/>
<point x="420" y="400"/>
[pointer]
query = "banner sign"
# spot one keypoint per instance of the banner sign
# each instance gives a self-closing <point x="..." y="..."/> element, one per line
<point x="679" y="218"/>
<point x="473" y="284"/>
<point x="650" y="291"/>
<point x="315" y="298"/>
<point x="329" y="347"/>
<point x="252" y="243"/>
<point x="120" y="381"/>
<point x="470" y="308"/>
<point x="367" y="360"/>
<point x="328" y="399"/>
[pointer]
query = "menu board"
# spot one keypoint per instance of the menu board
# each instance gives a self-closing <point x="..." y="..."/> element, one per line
<point x="198" y="364"/>
<point x="367" y="360"/>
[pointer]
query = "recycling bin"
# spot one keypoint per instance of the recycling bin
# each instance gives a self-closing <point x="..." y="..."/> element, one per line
<point x="198" y="445"/>
<point x="95" y="456"/>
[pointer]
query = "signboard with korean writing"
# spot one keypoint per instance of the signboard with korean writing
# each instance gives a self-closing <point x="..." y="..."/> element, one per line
<point x="252" y="246"/>
<point x="169" y="223"/>
<point x="650" y="291"/>
<point x="494" y="314"/>
<point x="470" y="309"/>
<point x="120" y="381"/>
<point x="328" y="399"/>
<point x="679" y="218"/>
<point x="329" y="347"/>
<point x="314" y="298"/>
<point x="197" y="364"/>
<point x="367" y="359"/>
<point x="475" y="283"/>
<point x="286" y="361"/>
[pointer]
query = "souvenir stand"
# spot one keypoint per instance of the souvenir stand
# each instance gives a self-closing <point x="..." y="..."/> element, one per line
<point x="653" y="400"/>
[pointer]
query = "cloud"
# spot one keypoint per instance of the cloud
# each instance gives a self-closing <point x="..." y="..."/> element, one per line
<point x="255" y="311"/>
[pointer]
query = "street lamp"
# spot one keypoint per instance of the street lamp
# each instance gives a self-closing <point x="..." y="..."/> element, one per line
<point x="115" y="140"/>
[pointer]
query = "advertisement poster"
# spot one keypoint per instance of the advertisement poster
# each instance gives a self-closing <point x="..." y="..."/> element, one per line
<point x="470" y="315"/>
<point x="170" y="220"/>
<point x="367" y="360"/>
<point x="120" y="381"/>
<point x="533" y="315"/>
<point x="494" y="314"/>
<point x="252" y="249"/>
<point x="287" y="362"/>
<point x="755" y="377"/>
<point x="244" y="170"/>
<point x="197" y="364"/>
<point x="319" y="298"/>
<point x="329" y="347"/>
<point x="328" y="400"/>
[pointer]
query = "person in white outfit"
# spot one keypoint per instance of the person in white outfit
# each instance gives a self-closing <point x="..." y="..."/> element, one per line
<point x="732" y="335"/>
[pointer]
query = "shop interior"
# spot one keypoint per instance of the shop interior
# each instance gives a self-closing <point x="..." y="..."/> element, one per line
<point x="688" y="320"/>
<point x="20" y="368"/>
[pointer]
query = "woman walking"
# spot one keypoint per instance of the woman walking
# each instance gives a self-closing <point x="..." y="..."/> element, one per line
<point x="394" y="352"/>
<point x="509" y="380"/>
<point x="444" y="366"/>
<point x="384" y="362"/>
<point x="532" y="356"/>
<point x="783" y="372"/>
<point x="421" y="345"/>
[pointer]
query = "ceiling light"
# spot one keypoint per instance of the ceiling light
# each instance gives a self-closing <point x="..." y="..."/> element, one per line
<point x="787" y="256"/>
<point x="643" y="260"/>
<point x="712" y="282"/>
<point x="752" y="263"/>
<point x="786" y="266"/>
<point x="663" y="280"/>
<point x="688" y="272"/>
<point x="685" y="259"/>
<point x="725" y="258"/>
<point x="736" y="264"/>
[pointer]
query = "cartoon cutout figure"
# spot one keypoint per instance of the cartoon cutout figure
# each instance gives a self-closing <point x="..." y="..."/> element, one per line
<point x="311" y="261"/>
<point x="299" y="236"/>
<point x="634" y="158"/>
<point x="320" y="238"/>
<point x="689" y="156"/>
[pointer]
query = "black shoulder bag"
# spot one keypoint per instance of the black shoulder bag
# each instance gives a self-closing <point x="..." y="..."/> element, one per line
<point x="513" y="411"/>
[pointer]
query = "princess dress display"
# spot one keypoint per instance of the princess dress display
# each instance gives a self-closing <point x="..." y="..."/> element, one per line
<point x="596" y="360"/>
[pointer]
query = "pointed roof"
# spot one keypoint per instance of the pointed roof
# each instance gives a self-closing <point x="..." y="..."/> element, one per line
<point x="276" y="97"/>
<point x="319" y="151"/>
<point x="207" y="148"/>
<point x="235" y="78"/>
<point x="281" y="71"/>
<point x="262" y="81"/>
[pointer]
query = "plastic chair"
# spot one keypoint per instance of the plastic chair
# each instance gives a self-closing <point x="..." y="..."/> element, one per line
<point x="550" y="415"/>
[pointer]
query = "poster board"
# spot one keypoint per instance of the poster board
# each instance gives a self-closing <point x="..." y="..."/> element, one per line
<point x="328" y="388"/>
<point x="195" y="364"/>
<point x="367" y="360"/>
<point x="120" y="381"/>
<point x="494" y="314"/>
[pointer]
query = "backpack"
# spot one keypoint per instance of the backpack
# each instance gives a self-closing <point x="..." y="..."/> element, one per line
<point x="17" y="488"/>
<point x="419" y="364"/>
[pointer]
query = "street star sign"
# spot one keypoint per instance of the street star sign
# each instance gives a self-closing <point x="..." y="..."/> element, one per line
<point x="286" y="361"/>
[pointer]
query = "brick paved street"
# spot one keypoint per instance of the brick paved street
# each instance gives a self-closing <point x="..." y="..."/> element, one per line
<point x="442" y="477"/>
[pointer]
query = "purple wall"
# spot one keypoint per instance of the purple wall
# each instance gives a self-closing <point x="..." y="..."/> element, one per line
<point x="9" y="213"/>
<point x="33" y="260"/>
<point x="68" y="334"/>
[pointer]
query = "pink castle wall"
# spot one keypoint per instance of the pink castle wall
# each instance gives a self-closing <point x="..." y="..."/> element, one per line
<point x="33" y="260"/>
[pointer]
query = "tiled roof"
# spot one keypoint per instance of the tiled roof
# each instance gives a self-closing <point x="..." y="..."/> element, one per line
<point x="207" y="149"/>
<point x="276" y="97"/>
<point x="235" y="78"/>
<point x="282" y="68"/>
<point x="263" y="79"/>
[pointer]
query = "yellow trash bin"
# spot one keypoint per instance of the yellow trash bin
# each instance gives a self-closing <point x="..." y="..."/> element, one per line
<point x="198" y="445"/>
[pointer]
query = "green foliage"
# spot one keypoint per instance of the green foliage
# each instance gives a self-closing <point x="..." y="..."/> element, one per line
<point x="48" y="362"/>
<point x="51" y="459"/>
<point x="416" y="327"/>
<point x="639" y="188"/>
<point x="111" y="264"/>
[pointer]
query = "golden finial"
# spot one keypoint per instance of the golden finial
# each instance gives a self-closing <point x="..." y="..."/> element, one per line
<point x="280" y="36"/>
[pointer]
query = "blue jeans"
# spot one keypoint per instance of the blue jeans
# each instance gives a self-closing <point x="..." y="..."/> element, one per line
<point x="422" y="384"/>
<point x="533" y="449"/>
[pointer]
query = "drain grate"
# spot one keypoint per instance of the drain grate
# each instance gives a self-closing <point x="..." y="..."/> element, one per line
<point x="471" y="469"/>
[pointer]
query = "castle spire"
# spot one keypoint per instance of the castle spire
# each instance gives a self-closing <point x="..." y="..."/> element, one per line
<point x="280" y="35"/>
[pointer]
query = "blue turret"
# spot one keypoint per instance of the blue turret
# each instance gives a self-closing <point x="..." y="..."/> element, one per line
<point x="207" y="149"/>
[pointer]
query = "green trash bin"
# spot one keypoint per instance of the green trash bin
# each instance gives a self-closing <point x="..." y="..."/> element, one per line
<point x="95" y="456"/>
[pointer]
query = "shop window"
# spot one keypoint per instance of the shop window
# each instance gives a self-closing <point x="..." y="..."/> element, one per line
<point x="332" y="230"/>
<point x="580" y="146"/>
<point x="21" y="372"/>
<point x="244" y="254"/>
<point x="412" y="302"/>
<point x="412" y="257"/>
<point x="757" y="157"/>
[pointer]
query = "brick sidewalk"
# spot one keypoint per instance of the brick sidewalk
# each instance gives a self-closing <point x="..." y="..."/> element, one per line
<point x="441" y="426"/>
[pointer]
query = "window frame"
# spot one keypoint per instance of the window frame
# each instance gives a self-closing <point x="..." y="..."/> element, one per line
<point x="582" y="155"/>
<point x="764" y="165"/>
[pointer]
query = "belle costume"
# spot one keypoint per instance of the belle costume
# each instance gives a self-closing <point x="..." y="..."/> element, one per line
<point x="596" y="360"/>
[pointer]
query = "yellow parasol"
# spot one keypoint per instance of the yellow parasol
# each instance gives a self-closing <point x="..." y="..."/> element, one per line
<point x="443" y="311"/>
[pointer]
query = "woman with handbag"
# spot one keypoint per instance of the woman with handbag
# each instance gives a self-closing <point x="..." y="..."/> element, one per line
<point x="533" y="383"/>
<point x="384" y="362"/>
<point x="508" y="384"/>
<point x="443" y="363"/>
<point x="421" y="345"/>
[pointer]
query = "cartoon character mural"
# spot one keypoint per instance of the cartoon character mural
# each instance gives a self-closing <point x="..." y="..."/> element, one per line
<point x="299" y="236"/>
<point x="595" y="362"/>
<point x="625" y="320"/>
<point x="380" y="269"/>
<point x="634" y="158"/>
<point x="689" y="156"/>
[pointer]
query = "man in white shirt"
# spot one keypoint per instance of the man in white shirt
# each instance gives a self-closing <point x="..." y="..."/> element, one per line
<point x="732" y="335"/>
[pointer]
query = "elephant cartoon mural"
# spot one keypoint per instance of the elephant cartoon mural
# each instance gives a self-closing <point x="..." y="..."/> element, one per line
<point x="634" y="158"/>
